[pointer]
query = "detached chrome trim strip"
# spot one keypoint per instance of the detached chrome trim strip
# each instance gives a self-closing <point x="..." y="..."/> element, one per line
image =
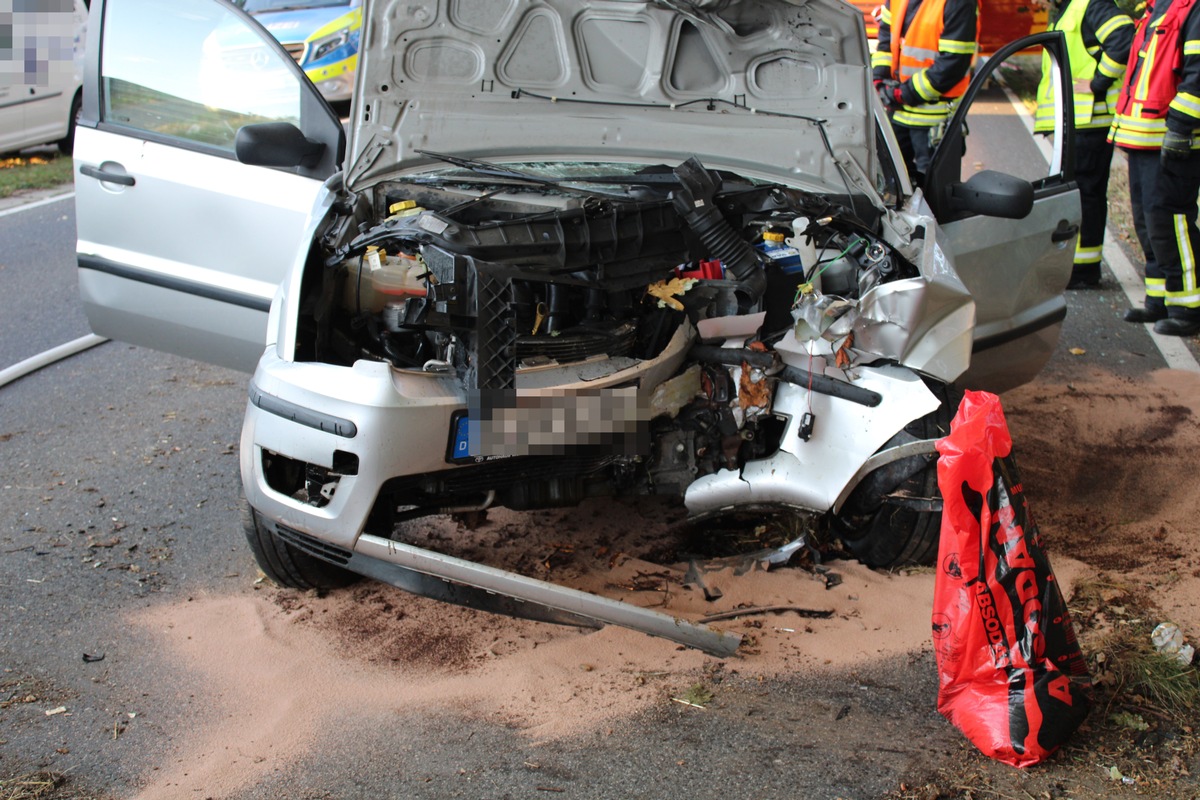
<point x="561" y="598"/>
<point x="174" y="283"/>
<point x="301" y="415"/>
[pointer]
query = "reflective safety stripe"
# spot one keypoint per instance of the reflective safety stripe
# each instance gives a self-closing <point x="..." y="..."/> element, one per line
<point x="1156" y="287"/>
<point x="923" y="116"/>
<point x="957" y="47"/>
<point x="1183" y="299"/>
<point x="881" y="58"/>
<point x="1188" y="296"/>
<point x="1191" y="48"/>
<point x="1090" y="113"/>
<point x="1109" y="67"/>
<point x="924" y="88"/>
<point x="1111" y="25"/>
<point x="1187" y="103"/>
<point x="918" y="48"/>
<point x="918" y="53"/>
<point x="1149" y="92"/>
<point x="1138" y="132"/>
<point x="1087" y="255"/>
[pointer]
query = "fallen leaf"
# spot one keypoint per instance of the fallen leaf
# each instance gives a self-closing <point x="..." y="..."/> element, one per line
<point x="1077" y="351"/>
<point x="666" y="291"/>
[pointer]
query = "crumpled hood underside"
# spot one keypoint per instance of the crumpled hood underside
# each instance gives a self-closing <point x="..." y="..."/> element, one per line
<point x="775" y="89"/>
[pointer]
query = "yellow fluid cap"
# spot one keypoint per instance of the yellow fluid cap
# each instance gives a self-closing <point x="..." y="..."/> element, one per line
<point x="403" y="205"/>
<point x="771" y="236"/>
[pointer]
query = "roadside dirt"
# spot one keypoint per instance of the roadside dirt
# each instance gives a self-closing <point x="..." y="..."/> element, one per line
<point x="1108" y="466"/>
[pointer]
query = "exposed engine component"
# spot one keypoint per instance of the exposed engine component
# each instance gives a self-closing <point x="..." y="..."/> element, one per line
<point x="490" y="278"/>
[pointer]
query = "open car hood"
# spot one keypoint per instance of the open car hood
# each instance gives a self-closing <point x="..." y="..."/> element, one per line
<point x="774" y="89"/>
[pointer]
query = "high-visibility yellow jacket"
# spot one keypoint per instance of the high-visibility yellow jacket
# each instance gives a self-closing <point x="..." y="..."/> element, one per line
<point x="1099" y="36"/>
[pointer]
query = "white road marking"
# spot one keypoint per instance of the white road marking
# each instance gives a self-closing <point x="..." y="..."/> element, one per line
<point x="37" y="203"/>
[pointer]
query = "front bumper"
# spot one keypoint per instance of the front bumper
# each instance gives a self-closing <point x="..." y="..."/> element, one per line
<point x="362" y="413"/>
<point x="388" y="423"/>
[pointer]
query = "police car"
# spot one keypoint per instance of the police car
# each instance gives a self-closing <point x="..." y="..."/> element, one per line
<point x="321" y="35"/>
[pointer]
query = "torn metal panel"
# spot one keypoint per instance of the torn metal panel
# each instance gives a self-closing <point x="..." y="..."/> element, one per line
<point x="810" y="473"/>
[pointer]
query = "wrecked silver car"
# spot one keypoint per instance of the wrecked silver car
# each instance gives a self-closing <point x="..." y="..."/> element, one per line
<point x="569" y="249"/>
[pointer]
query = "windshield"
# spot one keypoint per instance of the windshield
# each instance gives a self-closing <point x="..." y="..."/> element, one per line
<point x="257" y="6"/>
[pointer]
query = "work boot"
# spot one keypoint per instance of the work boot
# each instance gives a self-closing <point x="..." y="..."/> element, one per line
<point x="1085" y="277"/>
<point x="1146" y="314"/>
<point x="1178" y="326"/>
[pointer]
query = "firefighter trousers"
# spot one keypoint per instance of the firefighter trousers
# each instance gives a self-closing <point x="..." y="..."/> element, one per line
<point x="1143" y="186"/>
<point x="1093" y="162"/>
<point x="1174" y="236"/>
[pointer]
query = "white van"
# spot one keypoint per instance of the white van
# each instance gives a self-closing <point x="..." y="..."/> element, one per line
<point x="40" y="97"/>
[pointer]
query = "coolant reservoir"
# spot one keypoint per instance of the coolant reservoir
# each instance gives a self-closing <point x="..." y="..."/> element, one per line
<point x="384" y="279"/>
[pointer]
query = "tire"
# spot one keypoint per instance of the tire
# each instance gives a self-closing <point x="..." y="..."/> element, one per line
<point x="286" y="565"/>
<point x="66" y="145"/>
<point x="893" y="518"/>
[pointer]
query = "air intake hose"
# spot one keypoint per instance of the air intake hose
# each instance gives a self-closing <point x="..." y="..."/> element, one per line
<point x="694" y="202"/>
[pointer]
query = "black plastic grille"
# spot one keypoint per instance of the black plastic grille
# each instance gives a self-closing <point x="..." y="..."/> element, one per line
<point x="314" y="547"/>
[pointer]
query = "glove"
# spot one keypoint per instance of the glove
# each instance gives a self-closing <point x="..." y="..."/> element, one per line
<point x="936" y="134"/>
<point x="1176" y="146"/>
<point x="1100" y="86"/>
<point x="889" y="93"/>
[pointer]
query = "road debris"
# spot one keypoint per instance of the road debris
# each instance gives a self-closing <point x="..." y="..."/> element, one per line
<point x="1167" y="639"/>
<point x="697" y="696"/>
<point x="694" y="578"/>
<point x="812" y="613"/>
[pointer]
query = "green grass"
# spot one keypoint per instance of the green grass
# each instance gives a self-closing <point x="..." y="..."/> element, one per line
<point x="1022" y="76"/>
<point x="42" y="171"/>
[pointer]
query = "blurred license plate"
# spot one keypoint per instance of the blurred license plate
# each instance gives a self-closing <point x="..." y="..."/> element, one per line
<point x="606" y="421"/>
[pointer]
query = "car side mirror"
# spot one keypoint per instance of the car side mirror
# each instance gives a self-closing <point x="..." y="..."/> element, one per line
<point x="276" y="144"/>
<point x="993" y="194"/>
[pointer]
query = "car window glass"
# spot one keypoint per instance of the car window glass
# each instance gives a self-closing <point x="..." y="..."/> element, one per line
<point x="994" y="139"/>
<point x="191" y="70"/>
<point x="258" y="6"/>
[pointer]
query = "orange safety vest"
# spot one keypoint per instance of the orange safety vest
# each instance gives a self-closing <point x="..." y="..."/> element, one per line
<point x="1151" y="80"/>
<point x="920" y="41"/>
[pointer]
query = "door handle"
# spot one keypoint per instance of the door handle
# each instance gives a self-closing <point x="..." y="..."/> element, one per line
<point x="106" y="176"/>
<point x="1064" y="232"/>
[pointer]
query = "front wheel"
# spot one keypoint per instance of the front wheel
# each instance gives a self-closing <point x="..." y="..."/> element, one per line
<point x="66" y="145"/>
<point x="893" y="518"/>
<point x="284" y="564"/>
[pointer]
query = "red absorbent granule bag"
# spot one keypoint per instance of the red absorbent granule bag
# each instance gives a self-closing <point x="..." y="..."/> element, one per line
<point x="1011" y="674"/>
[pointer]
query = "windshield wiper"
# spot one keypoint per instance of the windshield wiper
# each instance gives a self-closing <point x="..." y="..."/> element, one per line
<point x="496" y="171"/>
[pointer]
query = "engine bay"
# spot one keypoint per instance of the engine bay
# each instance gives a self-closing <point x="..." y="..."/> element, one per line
<point x="524" y="270"/>
<point x="487" y="273"/>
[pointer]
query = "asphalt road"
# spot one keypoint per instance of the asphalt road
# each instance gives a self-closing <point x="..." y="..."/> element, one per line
<point x="119" y="492"/>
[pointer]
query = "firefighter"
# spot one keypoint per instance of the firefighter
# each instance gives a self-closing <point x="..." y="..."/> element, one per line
<point x="1156" y="119"/>
<point x="920" y="72"/>
<point x="1098" y="37"/>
